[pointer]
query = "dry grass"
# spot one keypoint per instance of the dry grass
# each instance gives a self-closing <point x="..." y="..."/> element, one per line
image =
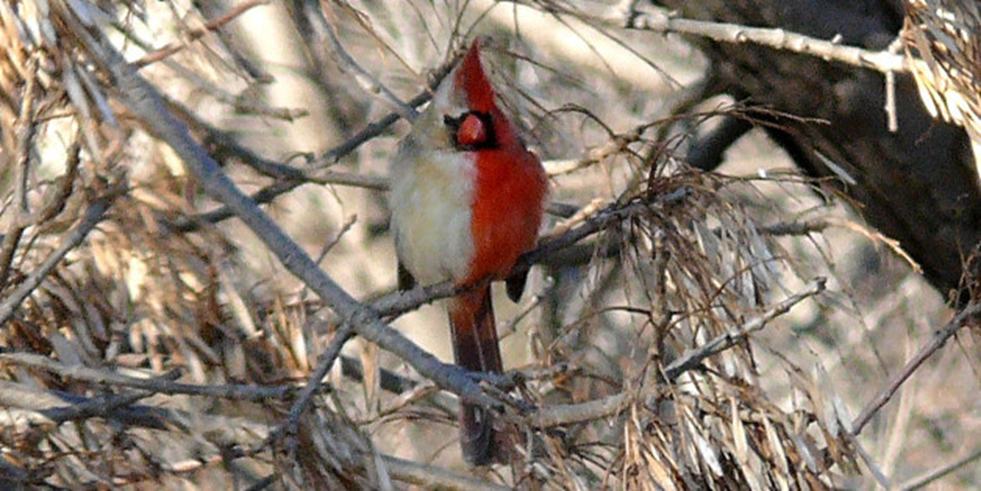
<point x="681" y="330"/>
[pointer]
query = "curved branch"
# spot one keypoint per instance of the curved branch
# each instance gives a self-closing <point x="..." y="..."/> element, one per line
<point x="143" y="100"/>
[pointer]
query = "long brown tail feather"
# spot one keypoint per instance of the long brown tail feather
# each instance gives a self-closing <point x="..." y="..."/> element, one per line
<point x="476" y="348"/>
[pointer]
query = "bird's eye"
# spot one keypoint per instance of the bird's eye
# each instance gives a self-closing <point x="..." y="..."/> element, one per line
<point x="471" y="130"/>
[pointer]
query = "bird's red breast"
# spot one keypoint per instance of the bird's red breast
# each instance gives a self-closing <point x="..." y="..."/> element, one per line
<point x="510" y="184"/>
<point x="507" y="208"/>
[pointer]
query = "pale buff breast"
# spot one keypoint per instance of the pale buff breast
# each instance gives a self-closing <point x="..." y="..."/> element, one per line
<point x="431" y="211"/>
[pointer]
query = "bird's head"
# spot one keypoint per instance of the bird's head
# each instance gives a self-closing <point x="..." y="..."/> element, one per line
<point x="464" y="115"/>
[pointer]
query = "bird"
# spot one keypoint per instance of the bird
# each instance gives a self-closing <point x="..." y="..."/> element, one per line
<point x="467" y="200"/>
<point x="941" y="39"/>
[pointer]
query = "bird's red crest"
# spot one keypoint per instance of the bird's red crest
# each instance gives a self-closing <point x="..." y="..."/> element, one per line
<point x="470" y="77"/>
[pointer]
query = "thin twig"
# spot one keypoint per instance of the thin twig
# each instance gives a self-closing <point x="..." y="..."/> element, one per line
<point x="327" y="32"/>
<point x="290" y="177"/>
<point x="91" y="217"/>
<point x="693" y="358"/>
<point x="276" y="189"/>
<point x="49" y="407"/>
<point x="389" y="380"/>
<point x="95" y="407"/>
<point x="154" y="385"/>
<point x="103" y="406"/>
<point x="324" y="364"/>
<point x="174" y="47"/>
<point x="62" y="188"/>
<point x="607" y="406"/>
<point x="374" y="129"/>
<point x="566" y="414"/>
<point x="936" y="342"/>
<point x="26" y="128"/>
<point x="939" y="473"/>
<point x="795" y="228"/>
<point x="432" y="477"/>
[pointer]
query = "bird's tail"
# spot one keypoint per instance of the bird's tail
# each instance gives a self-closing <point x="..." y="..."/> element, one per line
<point x="476" y="348"/>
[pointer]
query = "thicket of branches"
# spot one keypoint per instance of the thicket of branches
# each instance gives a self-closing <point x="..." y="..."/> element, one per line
<point x="198" y="284"/>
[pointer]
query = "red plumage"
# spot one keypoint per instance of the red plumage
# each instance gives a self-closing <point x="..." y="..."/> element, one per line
<point x="507" y="210"/>
<point x="503" y="186"/>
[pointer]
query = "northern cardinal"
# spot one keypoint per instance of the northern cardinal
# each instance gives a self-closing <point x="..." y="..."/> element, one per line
<point x="467" y="200"/>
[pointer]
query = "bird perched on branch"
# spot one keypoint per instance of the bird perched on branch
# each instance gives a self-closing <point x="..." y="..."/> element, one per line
<point x="943" y="39"/>
<point x="467" y="199"/>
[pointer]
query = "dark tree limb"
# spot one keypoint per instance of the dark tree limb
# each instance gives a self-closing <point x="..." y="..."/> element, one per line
<point x="916" y="185"/>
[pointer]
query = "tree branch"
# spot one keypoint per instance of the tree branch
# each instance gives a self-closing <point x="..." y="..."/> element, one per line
<point x="90" y="218"/>
<point x="882" y="61"/>
<point x="693" y="358"/>
<point x="145" y="103"/>
<point x="936" y="342"/>
<point x="430" y="477"/>
<point x="154" y="385"/>
<point x="608" y="406"/>
<point x="922" y="481"/>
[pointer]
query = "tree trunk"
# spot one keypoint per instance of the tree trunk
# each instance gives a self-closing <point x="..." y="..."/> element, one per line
<point x="918" y="185"/>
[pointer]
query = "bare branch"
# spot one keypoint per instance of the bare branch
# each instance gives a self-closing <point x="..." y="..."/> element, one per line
<point x="691" y="359"/>
<point x="292" y="177"/>
<point x="939" y="473"/>
<point x="601" y="408"/>
<point x="49" y="407"/>
<point x="324" y="364"/>
<point x="936" y="342"/>
<point x="881" y="61"/>
<point x="428" y="476"/>
<point x="90" y="218"/>
<point x="796" y="228"/>
<point x="171" y="48"/>
<point x="26" y="128"/>
<point x="102" y="406"/>
<point x="365" y="79"/>
<point x="566" y="414"/>
<point x="144" y="101"/>
<point x="154" y="385"/>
